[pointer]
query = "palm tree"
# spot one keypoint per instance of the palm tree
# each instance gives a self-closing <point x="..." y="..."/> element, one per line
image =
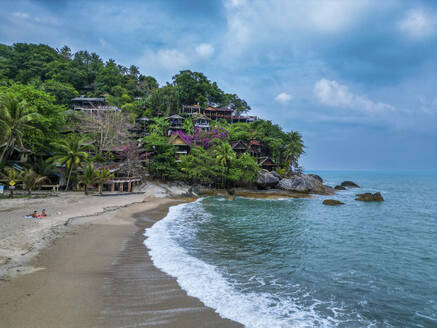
<point x="31" y="179"/>
<point x="71" y="152"/>
<point x="43" y="167"/>
<point x="88" y="177"/>
<point x="10" y="175"/>
<point x="224" y="155"/>
<point x="101" y="177"/>
<point x="15" y="118"/>
<point x="294" y="148"/>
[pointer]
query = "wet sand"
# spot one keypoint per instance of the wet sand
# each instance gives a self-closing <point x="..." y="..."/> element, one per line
<point x="99" y="274"/>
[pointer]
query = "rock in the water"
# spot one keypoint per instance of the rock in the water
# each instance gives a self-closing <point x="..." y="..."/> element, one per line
<point x="317" y="177"/>
<point x="339" y="188"/>
<point x="305" y="184"/>
<point x="266" y="180"/>
<point x="296" y="183"/>
<point x="349" y="184"/>
<point x="326" y="190"/>
<point x="332" y="202"/>
<point x="369" y="197"/>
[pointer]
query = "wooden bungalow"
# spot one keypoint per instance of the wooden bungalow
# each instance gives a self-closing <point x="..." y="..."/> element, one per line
<point x="182" y="147"/>
<point x="140" y="129"/>
<point x="240" y="147"/>
<point x="255" y="148"/>
<point x="202" y="123"/>
<point x="191" y="110"/>
<point x="176" y="124"/>
<point x="93" y="105"/>
<point x="218" y="113"/>
<point x="267" y="163"/>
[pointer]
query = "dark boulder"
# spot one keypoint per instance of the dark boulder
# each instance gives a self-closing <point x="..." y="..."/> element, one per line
<point x="276" y="174"/>
<point x="266" y="180"/>
<point x="339" y="188"/>
<point x="349" y="184"/>
<point x="305" y="184"/>
<point x="326" y="190"/>
<point x="369" y="197"/>
<point x="332" y="202"/>
<point x="296" y="183"/>
<point x="317" y="177"/>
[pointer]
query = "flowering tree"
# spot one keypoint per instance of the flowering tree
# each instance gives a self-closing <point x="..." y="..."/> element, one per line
<point x="204" y="139"/>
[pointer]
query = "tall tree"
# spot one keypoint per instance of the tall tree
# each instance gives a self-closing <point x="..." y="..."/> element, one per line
<point x="31" y="179"/>
<point x="101" y="177"/>
<point x="224" y="155"/>
<point x="71" y="152"/>
<point x="88" y="176"/>
<point x="15" y="119"/>
<point x="294" y="148"/>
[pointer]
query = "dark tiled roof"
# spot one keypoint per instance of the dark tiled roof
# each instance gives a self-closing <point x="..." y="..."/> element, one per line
<point x="234" y="144"/>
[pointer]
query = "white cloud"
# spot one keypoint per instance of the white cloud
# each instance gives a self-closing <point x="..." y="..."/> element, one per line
<point x="417" y="24"/>
<point x="283" y="98"/>
<point x="334" y="94"/>
<point x="22" y="15"/>
<point x="258" y="22"/>
<point x="234" y="3"/>
<point x="165" y="60"/>
<point x="205" y="49"/>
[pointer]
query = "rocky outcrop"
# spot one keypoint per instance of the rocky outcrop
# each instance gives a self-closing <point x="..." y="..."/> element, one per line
<point x="369" y="197"/>
<point x="339" y="187"/>
<point x="276" y="174"/>
<point x="161" y="190"/>
<point x="317" y="177"/>
<point x="349" y="184"/>
<point x="305" y="184"/>
<point x="267" y="180"/>
<point x="296" y="183"/>
<point x="326" y="190"/>
<point x="332" y="202"/>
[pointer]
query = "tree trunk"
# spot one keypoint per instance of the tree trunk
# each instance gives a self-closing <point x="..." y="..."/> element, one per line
<point x="100" y="188"/>
<point x="11" y="193"/>
<point x="68" y="179"/>
<point x="5" y="150"/>
<point x="86" y="189"/>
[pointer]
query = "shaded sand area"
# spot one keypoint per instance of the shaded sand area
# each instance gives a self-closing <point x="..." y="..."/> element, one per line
<point x="96" y="271"/>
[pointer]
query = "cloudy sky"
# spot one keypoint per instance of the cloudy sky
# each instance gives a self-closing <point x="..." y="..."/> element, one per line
<point x="358" y="78"/>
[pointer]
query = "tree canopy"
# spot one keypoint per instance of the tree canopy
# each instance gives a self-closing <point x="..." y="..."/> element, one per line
<point x="38" y="82"/>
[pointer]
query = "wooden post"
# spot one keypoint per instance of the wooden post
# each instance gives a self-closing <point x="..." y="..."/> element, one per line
<point x="129" y="187"/>
<point x="113" y="186"/>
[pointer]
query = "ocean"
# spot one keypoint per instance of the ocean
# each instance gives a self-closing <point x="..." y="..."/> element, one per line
<point x="298" y="263"/>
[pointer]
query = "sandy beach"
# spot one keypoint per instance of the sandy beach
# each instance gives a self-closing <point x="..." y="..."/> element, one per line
<point x="92" y="272"/>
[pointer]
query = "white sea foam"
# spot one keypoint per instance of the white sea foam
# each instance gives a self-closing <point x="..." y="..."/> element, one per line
<point x="205" y="282"/>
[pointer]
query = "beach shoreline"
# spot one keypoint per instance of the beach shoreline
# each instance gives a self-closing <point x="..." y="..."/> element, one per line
<point x="96" y="272"/>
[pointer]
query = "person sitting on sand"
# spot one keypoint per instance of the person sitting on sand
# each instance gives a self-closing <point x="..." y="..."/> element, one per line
<point x="43" y="213"/>
<point x="34" y="215"/>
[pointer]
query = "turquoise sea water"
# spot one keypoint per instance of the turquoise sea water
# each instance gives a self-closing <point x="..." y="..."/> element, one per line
<point x="298" y="263"/>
